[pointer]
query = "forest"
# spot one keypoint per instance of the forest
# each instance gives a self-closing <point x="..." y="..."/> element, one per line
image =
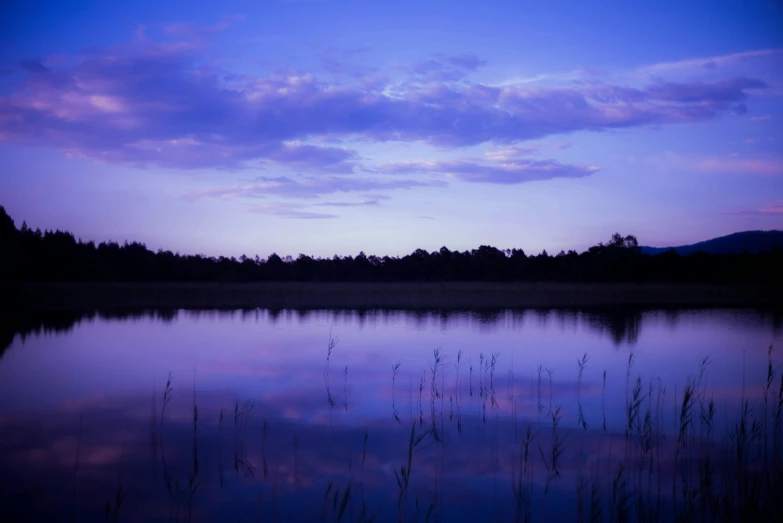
<point x="28" y="255"/>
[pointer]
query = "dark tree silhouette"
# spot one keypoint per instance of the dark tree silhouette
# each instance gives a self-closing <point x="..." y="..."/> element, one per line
<point x="33" y="255"/>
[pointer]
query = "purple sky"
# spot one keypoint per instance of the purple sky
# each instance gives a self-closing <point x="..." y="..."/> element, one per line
<point x="335" y="127"/>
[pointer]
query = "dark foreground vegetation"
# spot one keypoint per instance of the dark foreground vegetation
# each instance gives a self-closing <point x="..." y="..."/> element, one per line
<point x="33" y="255"/>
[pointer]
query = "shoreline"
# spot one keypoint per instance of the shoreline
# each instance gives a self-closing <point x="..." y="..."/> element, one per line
<point x="378" y="295"/>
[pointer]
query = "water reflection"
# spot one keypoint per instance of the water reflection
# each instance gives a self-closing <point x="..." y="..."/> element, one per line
<point x="622" y="324"/>
<point x="345" y="415"/>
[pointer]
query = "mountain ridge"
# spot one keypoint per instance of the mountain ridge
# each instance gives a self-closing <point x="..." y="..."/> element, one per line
<point x="747" y="241"/>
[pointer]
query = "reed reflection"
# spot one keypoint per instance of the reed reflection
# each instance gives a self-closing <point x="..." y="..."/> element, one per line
<point x="296" y="415"/>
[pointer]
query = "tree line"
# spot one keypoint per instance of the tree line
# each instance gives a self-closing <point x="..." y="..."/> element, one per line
<point x="35" y="255"/>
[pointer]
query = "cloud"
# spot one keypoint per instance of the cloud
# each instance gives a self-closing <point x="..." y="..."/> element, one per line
<point x="308" y="187"/>
<point x="774" y="208"/>
<point x="329" y="159"/>
<point x="733" y="164"/>
<point x="712" y="63"/>
<point x="290" y="211"/>
<point x="739" y="166"/>
<point x="193" y="152"/>
<point x="369" y="200"/>
<point x="302" y="211"/>
<point x="725" y="91"/>
<point x="507" y="172"/>
<point x="510" y="153"/>
<point x="159" y="104"/>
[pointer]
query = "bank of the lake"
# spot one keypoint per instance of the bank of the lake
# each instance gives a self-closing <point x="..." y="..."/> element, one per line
<point x="413" y="295"/>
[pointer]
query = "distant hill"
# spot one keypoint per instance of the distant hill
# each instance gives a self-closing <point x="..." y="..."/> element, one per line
<point x="748" y="241"/>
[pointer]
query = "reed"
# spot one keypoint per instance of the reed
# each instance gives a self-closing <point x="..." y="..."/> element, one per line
<point x="329" y="348"/>
<point x="551" y="460"/>
<point x="621" y="498"/>
<point x="777" y="471"/>
<point x="690" y="471"/>
<point x="522" y="484"/>
<point x="680" y="472"/>
<point x="581" y="415"/>
<point x="596" y="506"/>
<point x="403" y="476"/>
<point x="327" y="381"/>
<point x="395" y="371"/>
<point x="112" y="507"/>
<point x="167" y="392"/>
<point x="470" y="379"/>
<point x="345" y="388"/>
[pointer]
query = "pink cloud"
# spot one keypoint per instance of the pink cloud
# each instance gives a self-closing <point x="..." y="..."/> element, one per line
<point x="774" y="208"/>
<point x="740" y="166"/>
<point x="729" y="164"/>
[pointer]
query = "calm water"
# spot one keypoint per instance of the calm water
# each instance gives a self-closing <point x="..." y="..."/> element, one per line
<point x="280" y="431"/>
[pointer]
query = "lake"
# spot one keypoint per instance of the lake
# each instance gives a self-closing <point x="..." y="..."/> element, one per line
<point x="284" y="415"/>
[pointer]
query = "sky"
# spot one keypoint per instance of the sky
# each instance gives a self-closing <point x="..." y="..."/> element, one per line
<point x="334" y="127"/>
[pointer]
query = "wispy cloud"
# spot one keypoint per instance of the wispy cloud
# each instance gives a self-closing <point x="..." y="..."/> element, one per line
<point x="305" y="211"/>
<point x="740" y="166"/>
<point x="773" y="208"/>
<point x="310" y="187"/>
<point x="712" y="62"/>
<point x="506" y="172"/>
<point x="328" y="159"/>
<point x="510" y="153"/>
<point x="369" y="200"/>
<point x="728" y="91"/>
<point x="724" y="164"/>
<point x="294" y="211"/>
